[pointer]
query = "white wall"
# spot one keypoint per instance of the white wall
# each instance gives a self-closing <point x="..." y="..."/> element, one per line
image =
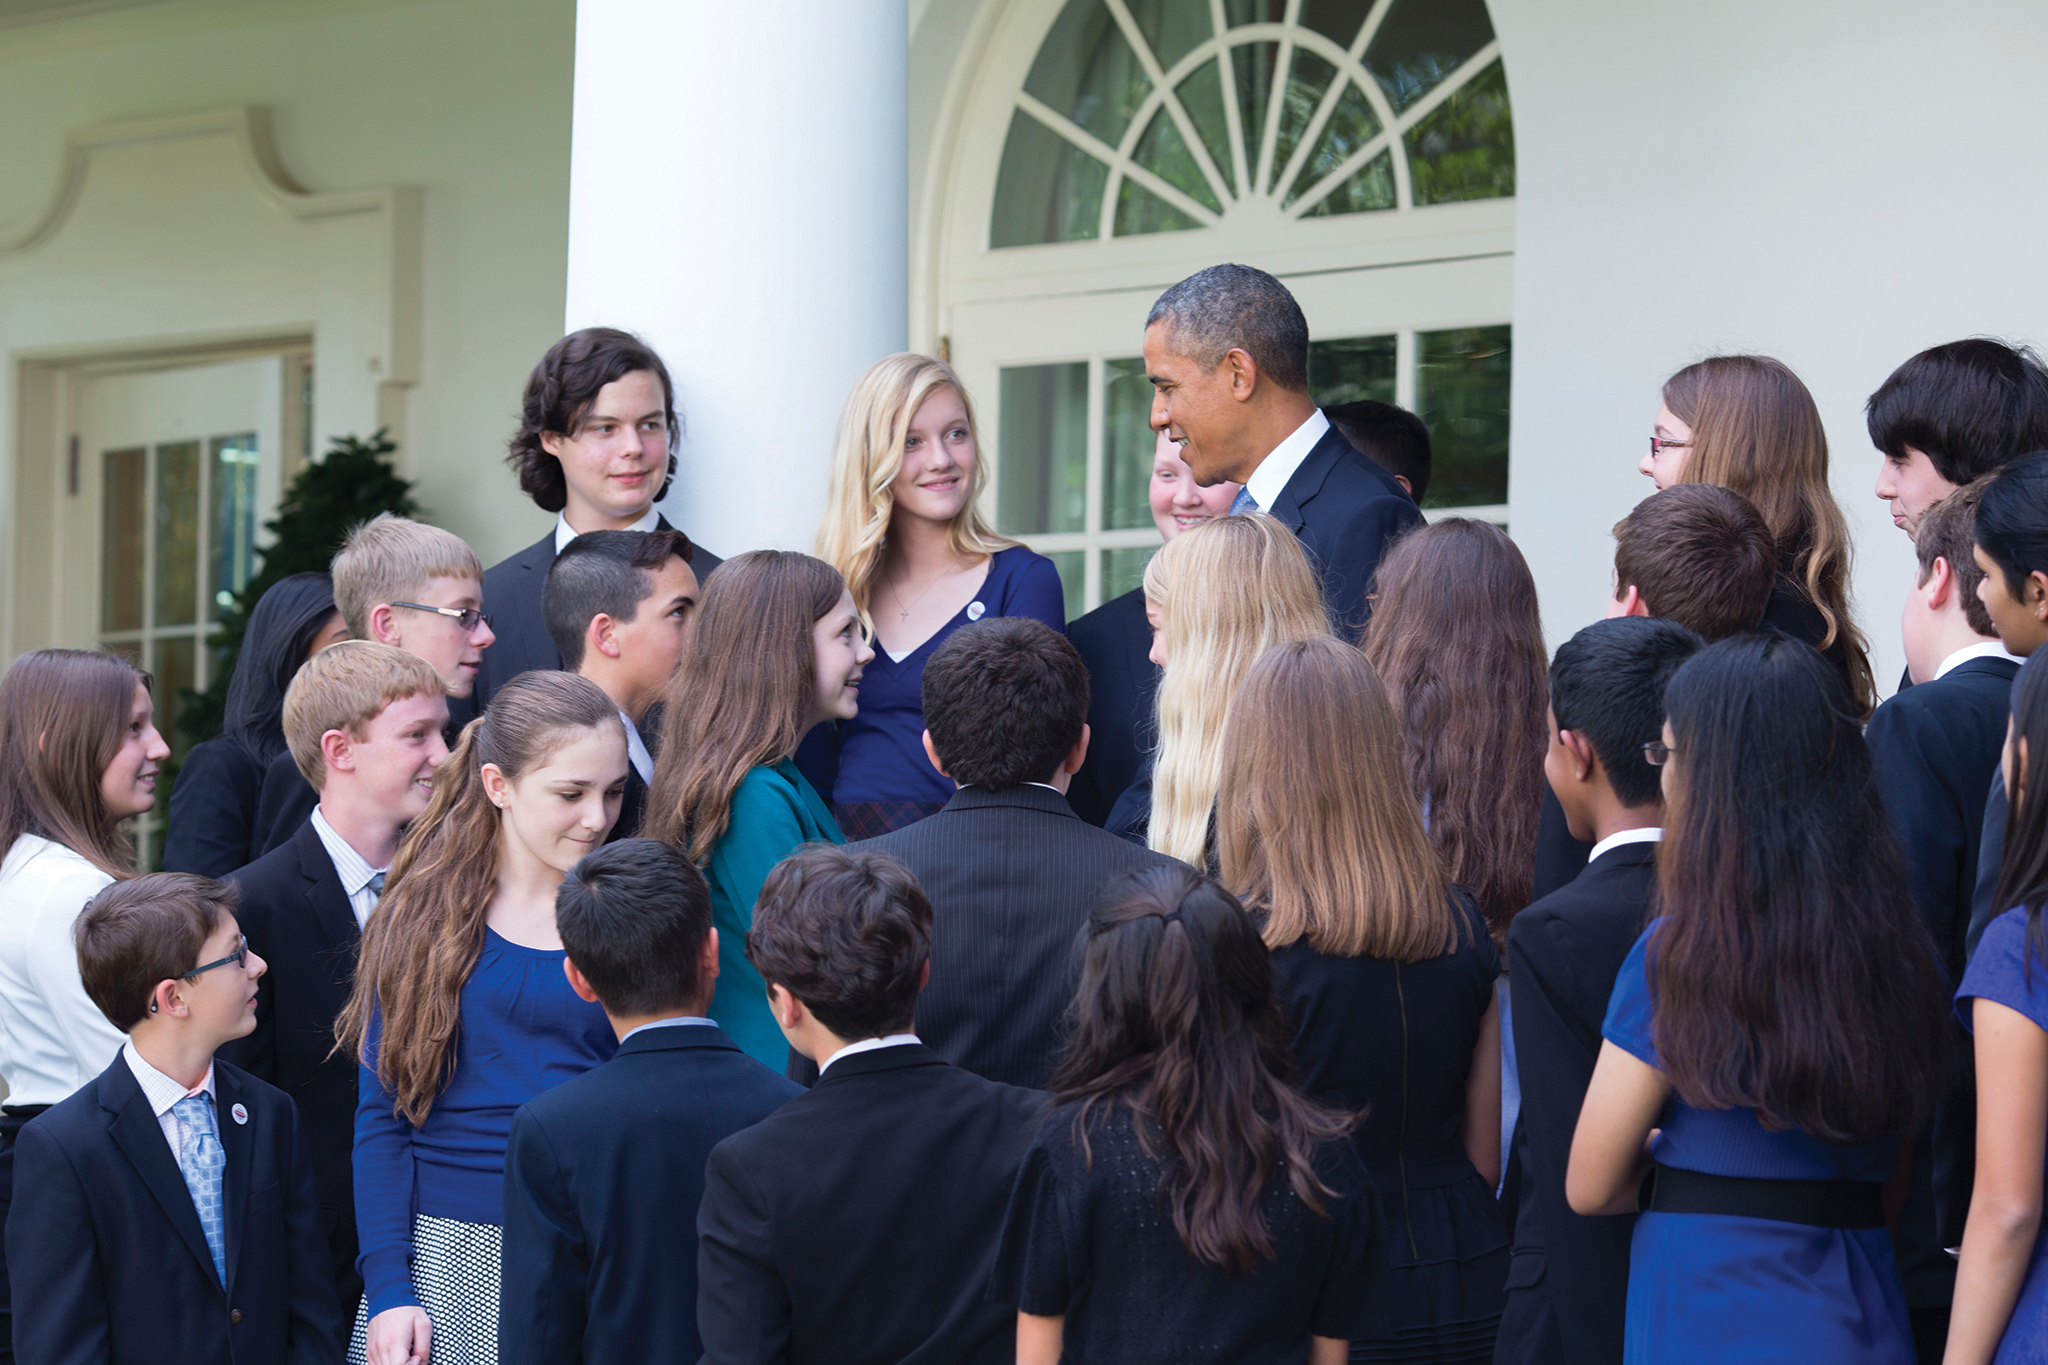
<point x="1838" y="186"/>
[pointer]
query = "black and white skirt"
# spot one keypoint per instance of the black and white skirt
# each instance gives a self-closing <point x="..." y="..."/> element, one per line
<point x="455" y="1276"/>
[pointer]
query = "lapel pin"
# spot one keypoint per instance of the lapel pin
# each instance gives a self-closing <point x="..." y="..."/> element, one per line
<point x="241" y="1114"/>
<point x="975" y="610"/>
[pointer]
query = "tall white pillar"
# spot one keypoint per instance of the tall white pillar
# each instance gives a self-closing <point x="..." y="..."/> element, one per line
<point x="738" y="195"/>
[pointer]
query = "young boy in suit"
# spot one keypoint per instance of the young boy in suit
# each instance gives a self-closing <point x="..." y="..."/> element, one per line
<point x="1568" y="1276"/>
<point x="859" y="1221"/>
<point x="603" y="1173"/>
<point x="362" y="721"/>
<point x="166" y="1210"/>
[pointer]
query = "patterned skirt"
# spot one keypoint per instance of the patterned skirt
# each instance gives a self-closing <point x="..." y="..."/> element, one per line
<point x="455" y="1276"/>
<point x="871" y="819"/>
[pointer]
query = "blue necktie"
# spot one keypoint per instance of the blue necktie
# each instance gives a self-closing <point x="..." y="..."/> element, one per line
<point x="201" y="1161"/>
<point x="1243" y="504"/>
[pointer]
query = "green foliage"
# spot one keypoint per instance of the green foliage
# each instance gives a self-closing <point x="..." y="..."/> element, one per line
<point x="1466" y="148"/>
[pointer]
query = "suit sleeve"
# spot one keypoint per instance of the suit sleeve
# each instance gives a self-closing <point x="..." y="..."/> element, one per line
<point x="212" y="812"/>
<point x="743" y="1307"/>
<point x="316" y="1321"/>
<point x="256" y="1053"/>
<point x="54" y="1260"/>
<point x="1932" y="829"/>
<point x="543" y="1299"/>
<point x="1351" y="556"/>
<point x="52" y="962"/>
<point x="1990" y="854"/>
<point x="384" y="1179"/>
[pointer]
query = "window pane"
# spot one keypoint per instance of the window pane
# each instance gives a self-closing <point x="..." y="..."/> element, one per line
<point x="1422" y="41"/>
<point x="1123" y="570"/>
<point x="1172" y="28"/>
<point x="1347" y="369"/>
<point x="1163" y="152"/>
<point x="1042" y="450"/>
<point x="1352" y="124"/>
<point x="1073" y="568"/>
<point x="1254" y="64"/>
<point x="1461" y="391"/>
<point x="1127" y="443"/>
<point x="1048" y="190"/>
<point x="1138" y="210"/>
<point x="1087" y="71"/>
<point x="1337" y="20"/>
<point x="1369" y="190"/>
<point x="1465" y="149"/>
<point x="122" y="500"/>
<point x="233" y="528"/>
<point x="1305" y="86"/>
<point x="177" y="534"/>
<point x="1241" y="12"/>
<point x="172" y="662"/>
<point x="1201" y="94"/>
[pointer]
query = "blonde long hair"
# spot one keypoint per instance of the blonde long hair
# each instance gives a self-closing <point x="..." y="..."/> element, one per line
<point x="867" y="457"/>
<point x="1227" y="591"/>
<point x="1316" y="825"/>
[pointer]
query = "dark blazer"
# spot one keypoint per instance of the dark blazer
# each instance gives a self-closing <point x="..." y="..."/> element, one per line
<point x="633" y="806"/>
<point x="859" y="1221"/>
<point x="1345" y="509"/>
<point x="213" y="810"/>
<point x="284" y="805"/>
<point x="1012" y="876"/>
<point x="108" y="1260"/>
<point x="1115" y="642"/>
<point x="297" y="918"/>
<point x="603" y="1175"/>
<point x="1568" y="1278"/>
<point x="1559" y="857"/>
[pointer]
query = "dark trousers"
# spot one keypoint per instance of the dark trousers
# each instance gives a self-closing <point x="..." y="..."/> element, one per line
<point x="12" y="1117"/>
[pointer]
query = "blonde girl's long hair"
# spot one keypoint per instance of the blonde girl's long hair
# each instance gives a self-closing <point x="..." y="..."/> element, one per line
<point x="423" y="939"/>
<point x="1757" y="431"/>
<point x="744" y="693"/>
<point x="1227" y="591"/>
<point x="63" y="716"/>
<point x="1316" y="826"/>
<point x="867" y="457"/>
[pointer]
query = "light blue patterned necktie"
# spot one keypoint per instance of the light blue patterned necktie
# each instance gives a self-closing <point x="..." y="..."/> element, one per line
<point x="202" y="1161"/>
<point x="1243" y="505"/>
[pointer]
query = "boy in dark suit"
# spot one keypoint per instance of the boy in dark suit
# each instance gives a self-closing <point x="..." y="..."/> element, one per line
<point x="859" y="1221"/>
<point x="1568" y="1277"/>
<point x="166" y="1210"/>
<point x="603" y="1174"/>
<point x="363" y="723"/>
<point x="618" y="606"/>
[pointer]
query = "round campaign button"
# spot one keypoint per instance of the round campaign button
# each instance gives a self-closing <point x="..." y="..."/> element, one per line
<point x="975" y="611"/>
<point x="241" y="1114"/>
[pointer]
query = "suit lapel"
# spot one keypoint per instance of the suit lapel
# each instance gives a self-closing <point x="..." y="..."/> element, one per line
<point x="1308" y="480"/>
<point x="236" y="1141"/>
<point x="140" y="1137"/>
<point x="325" y="897"/>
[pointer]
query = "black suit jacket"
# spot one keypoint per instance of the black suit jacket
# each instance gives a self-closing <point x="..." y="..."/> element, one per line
<point x="603" y="1175"/>
<point x="1115" y="642"/>
<point x="859" y="1222"/>
<point x="1345" y="509"/>
<point x="296" y="916"/>
<point x="107" y="1256"/>
<point x="1568" y="1278"/>
<point x="213" y="810"/>
<point x="286" y="803"/>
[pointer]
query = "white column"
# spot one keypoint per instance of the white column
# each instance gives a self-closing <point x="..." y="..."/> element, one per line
<point x="738" y="195"/>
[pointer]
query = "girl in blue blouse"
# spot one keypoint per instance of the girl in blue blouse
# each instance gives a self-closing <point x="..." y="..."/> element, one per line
<point x="1781" y="1023"/>
<point x="461" y="1012"/>
<point x="904" y="528"/>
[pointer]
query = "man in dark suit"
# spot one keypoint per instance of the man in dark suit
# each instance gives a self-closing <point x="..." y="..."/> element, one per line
<point x="165" y="1211"/>
<point x="595" y="446"/>
<point x="364" y="722"/>
<point x="1227" y="353"/>
<point x="1568" y="1275"/>
<point x="603" y="1174"/>
<point x="619" y="605"/>
<point x="859" y="1221"/>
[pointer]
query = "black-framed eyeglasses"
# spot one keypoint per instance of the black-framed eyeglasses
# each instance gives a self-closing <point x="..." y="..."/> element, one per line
<point x="1658" y="445"/>
<point x="237" y="956"/>
<point x="1657" y="753"/>
<point x="467" y="617"/>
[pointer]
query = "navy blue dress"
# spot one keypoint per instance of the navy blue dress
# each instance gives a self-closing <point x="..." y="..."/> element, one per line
<point x="1714" y="1287"/>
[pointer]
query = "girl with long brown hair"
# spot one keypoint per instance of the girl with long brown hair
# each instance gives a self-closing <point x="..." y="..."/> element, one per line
<point x="1183" y="1199"/>
<point x="461" y="1012"/>
<point x="777" y="649"/>
<point x="1385" y="972"/>
<point x="1747" y="423"/>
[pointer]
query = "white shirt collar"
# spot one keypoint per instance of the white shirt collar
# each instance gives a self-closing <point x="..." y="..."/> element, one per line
<point x="160" y="1090"/>
<point x="1269" y="480"/>
<point x="352" y="867"/>
<point x="636" y="750"/>
<point x="868" y="1045"/>
<point x="563" y="533"/>
<point x="678" y="1020"/>
<point x="1649" y="834"/>
<point x="1989" y="649"/>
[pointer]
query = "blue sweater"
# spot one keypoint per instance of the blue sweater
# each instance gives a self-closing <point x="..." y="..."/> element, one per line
<point x="523" y="1031"/>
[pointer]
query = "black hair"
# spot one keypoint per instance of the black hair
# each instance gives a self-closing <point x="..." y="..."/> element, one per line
<point x="633" y="918"/>
<point x="1393" y="438"/>
<point x="287" y="619"/>
<point x="1237" y="307"/>
<point x="2023" y="875"/>
<point x="1607" y="686"/>
<point x="603" y="571"/>
<point x="2012" y="520"/>
<point x="1969" y="405"/>
<point x="1005" y="701"/>
<point x="559" y="395"/>
<point x="848" y="934"/>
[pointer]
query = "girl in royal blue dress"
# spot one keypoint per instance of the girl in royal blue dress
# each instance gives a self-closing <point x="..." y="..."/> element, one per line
<point x="1779" y="1026"/>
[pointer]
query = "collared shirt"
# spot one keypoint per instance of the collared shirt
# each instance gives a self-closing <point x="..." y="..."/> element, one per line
<point x="680" y="1019"/>
<point x="352" y="867"/>
<point x="564" y="533"/>
<point x="1989" y="649"/>
<point x="1269" y="480"/>
<point x="1648" y="834"/>
<point x="868" y="1045"/>
<point x="162" y="1093"/>
<point x="636" y="749"/>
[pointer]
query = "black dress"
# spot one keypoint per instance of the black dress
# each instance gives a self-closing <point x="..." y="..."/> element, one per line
<point x="1792" y="611"/>
<point x="1093" y="1239"/>
<point x="1396" y="1040"/>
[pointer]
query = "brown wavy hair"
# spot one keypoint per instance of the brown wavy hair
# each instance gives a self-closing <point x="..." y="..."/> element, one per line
<point x="743" y="695"/>
<point x="423" y="939"/>
<point x="62" y="714"/>
<point x="559" y="395"/>
<point x="1456" y="637"/>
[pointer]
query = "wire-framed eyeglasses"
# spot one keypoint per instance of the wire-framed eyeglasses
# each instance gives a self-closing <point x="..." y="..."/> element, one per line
<point x="467" y="617"/>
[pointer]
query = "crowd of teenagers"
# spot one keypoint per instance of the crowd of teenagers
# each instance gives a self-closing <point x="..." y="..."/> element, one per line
<point x="623" y="955"/>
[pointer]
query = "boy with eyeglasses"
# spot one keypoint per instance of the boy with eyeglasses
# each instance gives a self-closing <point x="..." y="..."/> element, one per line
<point x="166" y="1210"/>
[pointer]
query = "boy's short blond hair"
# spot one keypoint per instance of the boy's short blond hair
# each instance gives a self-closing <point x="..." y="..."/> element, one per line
<point x="345" y="687"/>
<point x="392" y="559"/>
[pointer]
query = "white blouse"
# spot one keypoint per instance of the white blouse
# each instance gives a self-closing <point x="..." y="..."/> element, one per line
<point x="53" y="1039"/>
